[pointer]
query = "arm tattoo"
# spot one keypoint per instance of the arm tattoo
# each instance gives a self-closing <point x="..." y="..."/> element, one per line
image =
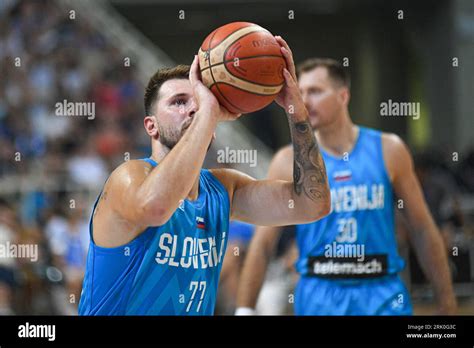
<point x="309" y="171"/>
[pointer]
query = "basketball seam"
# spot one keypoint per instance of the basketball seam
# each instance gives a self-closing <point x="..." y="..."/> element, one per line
<point x="252" y="82"/>
<point x="240" y="37"/>
<point x="243" y="58"/>
<point x="249" y="81"/>
<point x="230" y="45"/>
<point x="244" y="90"/>
<point x="252" y="25"/>
<point x="214" y="80"/>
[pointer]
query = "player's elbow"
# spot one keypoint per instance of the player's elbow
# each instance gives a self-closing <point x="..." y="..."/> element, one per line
<point x="325" y="203"/>
<point x="320" y="209"/>
<point x="325" y="209"/>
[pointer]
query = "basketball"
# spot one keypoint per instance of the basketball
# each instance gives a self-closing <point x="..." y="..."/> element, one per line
<point x="242" y="65"/>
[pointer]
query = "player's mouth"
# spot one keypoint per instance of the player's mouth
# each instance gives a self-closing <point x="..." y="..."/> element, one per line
<point x="313" y="118"/>
<point x="311" y="112"/>
<point x="186" y="126"/>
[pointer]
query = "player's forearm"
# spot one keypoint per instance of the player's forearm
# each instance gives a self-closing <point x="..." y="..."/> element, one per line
<point x="310" y="184"/>
<point x="254" y="269"/>
<point x="432" y="256"/>
<point x="173" y="178"/>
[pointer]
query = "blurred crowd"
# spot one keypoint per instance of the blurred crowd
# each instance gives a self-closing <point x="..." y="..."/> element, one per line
<point x="48" y="55"/>
<point x="55" y="162"/>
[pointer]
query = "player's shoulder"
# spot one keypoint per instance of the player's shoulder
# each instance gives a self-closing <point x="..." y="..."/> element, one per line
<point x="281" y="166"/>
<point x="284" y="154"/>
<point x="396" y="154"/>
<point x="129" y="172"/>
<point x="394" y="144"/>
<point x="228" y="176"/>
<point x="231" y="179"/>
<point x="392" y="139"/>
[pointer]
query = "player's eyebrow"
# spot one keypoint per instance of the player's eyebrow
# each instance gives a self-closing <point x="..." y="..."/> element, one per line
<point x="178" y="95"/>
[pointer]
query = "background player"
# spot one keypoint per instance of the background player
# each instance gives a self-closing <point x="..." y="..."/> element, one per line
<point x="348" y="261"/>
<point x="152" y="252"/>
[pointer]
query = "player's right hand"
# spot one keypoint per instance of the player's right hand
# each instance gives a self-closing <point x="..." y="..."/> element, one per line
<point x="206" y="101"/>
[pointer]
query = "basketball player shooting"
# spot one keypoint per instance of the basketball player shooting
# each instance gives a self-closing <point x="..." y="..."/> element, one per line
<point x="348" y="261"/>
<point x="159" y="227"/>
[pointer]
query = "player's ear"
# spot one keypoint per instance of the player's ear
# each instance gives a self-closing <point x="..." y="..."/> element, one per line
<point x="151" y="126"/>
<point x="344" y="95"/>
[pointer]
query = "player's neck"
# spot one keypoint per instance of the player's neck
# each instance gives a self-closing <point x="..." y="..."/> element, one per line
<point x="158" y="153"/>
<point x="339" y="137"/>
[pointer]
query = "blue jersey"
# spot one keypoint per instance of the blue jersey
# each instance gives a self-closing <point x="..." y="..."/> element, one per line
<point x="348" y="260"/>
<point x="172" y="269"/>
<point x="357" y="239"/>
<point x="241" y="232"/>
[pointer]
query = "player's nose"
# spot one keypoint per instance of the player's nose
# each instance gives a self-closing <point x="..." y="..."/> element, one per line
<point x="304" y="96"/>
<point x="192" y="108"/>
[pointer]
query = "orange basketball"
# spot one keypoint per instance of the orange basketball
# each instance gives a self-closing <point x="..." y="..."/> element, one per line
<point x="242" y="65"/>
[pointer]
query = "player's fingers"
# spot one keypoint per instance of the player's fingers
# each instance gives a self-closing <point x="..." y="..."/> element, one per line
<point x="288" y="55"/>
<point x="290" y="64"/>
<point x="290" y="82"/>
<point x="194" y="72"/>
<point x="283" y="43"/>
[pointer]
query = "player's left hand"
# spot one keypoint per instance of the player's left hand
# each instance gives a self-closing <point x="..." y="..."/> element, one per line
<point x="205" y="99"/>
<point x="289" y="97"/>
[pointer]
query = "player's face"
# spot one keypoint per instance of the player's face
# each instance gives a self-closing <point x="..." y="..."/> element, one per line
<point x="175" y="110"/>
<point x="321" y="96"/>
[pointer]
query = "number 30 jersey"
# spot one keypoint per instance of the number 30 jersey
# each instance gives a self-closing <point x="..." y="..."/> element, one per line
<point x="357" y="239"/>
<point x="172" y="269"/>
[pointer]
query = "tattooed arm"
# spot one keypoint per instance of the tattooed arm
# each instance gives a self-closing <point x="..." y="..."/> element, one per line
<point x="309" y="171"/>
<point x="276" y="202"/>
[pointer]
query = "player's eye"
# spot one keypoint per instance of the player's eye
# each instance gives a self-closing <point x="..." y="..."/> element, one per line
<point x="179" y="102"/>
<point x="315" y="91"/>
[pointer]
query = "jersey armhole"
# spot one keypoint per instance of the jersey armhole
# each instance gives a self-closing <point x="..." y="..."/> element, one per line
<point x="221" y="185"/>
<point x="384" y="160"/>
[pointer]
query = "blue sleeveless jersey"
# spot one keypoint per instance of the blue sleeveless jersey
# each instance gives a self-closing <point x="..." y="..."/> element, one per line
<point x="172" y="269"/>
<point x="357" y="239"/>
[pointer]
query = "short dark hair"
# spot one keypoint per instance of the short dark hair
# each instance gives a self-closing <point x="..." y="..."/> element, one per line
<point x="335" y="70"/>
<point x="156" y="81"/>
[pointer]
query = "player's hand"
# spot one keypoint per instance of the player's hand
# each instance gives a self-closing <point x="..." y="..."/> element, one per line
<point x="289" y="97"/>
<point x="206" y="101"/>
